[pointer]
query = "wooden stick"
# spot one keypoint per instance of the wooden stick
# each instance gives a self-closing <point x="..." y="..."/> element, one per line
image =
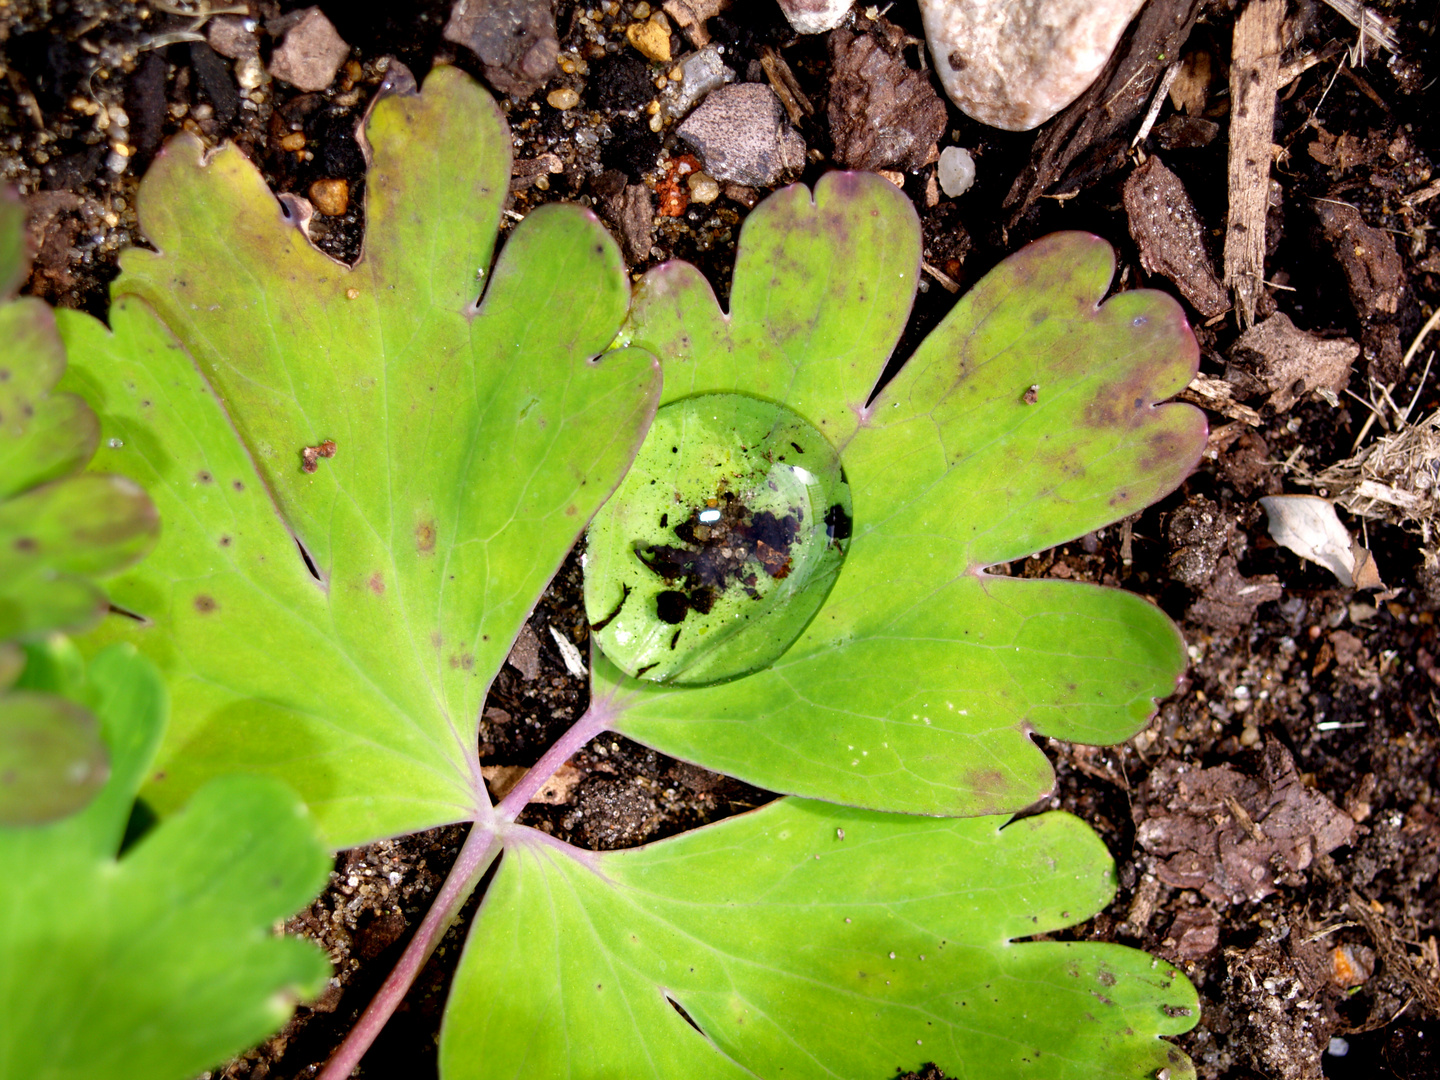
<point x="1254" y="76"/>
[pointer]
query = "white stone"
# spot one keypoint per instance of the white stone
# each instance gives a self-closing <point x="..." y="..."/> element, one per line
<point x="1013" y="64"/>
<point x="956" y="171"/>
<point x="815" y="16"/>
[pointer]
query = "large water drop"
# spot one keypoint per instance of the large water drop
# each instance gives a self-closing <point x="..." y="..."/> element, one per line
<point x="720" y="545"/>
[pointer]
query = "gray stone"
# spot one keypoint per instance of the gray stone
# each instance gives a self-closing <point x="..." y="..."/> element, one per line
<point x="310" y="54"/>
<point x="700" y="73"/>
<point x="1013" y="64"/>
<point x="515" y="41"/>
<point x="743" y="136"/>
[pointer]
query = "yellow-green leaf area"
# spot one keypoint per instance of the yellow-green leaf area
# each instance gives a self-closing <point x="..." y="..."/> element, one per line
<point x="367" y="473"/>
<point x="807" y="940"/>
<point x="1028" y="417"/>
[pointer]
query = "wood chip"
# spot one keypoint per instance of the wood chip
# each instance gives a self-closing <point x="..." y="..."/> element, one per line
<point x="1170" y="236"/>
<point x="1254" y="76"/>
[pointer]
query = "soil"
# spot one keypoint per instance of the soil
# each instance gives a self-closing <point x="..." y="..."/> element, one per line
<point x="1275" y="829"/>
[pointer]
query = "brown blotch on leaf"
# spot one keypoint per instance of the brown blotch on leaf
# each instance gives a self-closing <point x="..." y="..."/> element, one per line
<point x="25" y="543"/>
<point x="224" y="541"/>
<point x="1031" y="395"/>
<point x="467" y="662"/>
<point x="310" y="455"/>
<point x="376" y="584"/>
<point x="425" y="537"/>
<point x="204" y="476"/>
<point x="237" y="485"/>
<point x="205" y="604"/>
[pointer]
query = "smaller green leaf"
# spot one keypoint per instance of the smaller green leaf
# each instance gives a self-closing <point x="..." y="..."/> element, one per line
<point x="14" y="243"/>
<point x="720" y="545"/>
<point x="52" y="761"/>
<point x="56" y="530"/>
<point x="12" y="663"/>
<point x="807" y="940"/>
<point x="159" y="964"/>
<point x="54" y="537"/>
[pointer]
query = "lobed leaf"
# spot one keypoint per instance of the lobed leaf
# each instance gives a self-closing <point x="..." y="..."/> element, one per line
<point x="807" y="940"/>
<point x="57" y="532"/>
<point x="161" y="962"/>
<point x="1024" y="420"/>
<point x="471" y="443"/>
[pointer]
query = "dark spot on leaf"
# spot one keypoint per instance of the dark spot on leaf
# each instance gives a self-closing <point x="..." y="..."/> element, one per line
<point x="467" y="661"/>
<point x="671" y="606"/>
<point x="224" y="541"/>
<point x="664" y="521"/>
<point x="237" y="485"/>
<point x="376" y="583"/>
<point x="25" y="543"/>
<point x="436" y="639"/>
<point x="624" y="595"/>
<point x="571" y="510"/>
<point x="204" y="476"/>
<point x="1175" y="1010"/>
<point x="205" y="604"/>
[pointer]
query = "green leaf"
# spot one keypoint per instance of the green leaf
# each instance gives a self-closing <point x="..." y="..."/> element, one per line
<point x="806" y="940"/>
<point x="56" y="530"/>
<point x="1025" y="419"/>
<point x="162" y="962"/>
<point x="52" y="760"/>
<point x="14" y="243"/>
<point x="471" y="444"/>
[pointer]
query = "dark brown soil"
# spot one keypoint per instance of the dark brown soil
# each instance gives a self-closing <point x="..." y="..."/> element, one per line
<point x="1309" y="718"/>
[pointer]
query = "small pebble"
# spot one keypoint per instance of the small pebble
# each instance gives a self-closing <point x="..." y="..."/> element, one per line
<point x="703" y="188"/>
<point x="651" y="38"/>
<point x="1013" y="64"/>
<point x="310" y="54"/>
<point x="294" y="141"/>
<point x="249" y="72"/>
<point x="1338" y="1047"/>
<point x="1249" y="736"/>
<point x="956" y="171"/>
<point x="331" y="197"/>
<point x="563" y="99"/>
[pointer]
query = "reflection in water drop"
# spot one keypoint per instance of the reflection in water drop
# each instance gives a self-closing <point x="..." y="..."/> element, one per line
<point x="720" y="545"/>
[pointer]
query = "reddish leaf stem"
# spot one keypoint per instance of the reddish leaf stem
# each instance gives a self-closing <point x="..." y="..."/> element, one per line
<point x="475" y="857"/>
<point x="595" y="720"/>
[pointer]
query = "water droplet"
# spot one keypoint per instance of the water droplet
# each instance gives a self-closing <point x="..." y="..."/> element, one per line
<point x="721" y="544"/>
<point x="115" y="444"/>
